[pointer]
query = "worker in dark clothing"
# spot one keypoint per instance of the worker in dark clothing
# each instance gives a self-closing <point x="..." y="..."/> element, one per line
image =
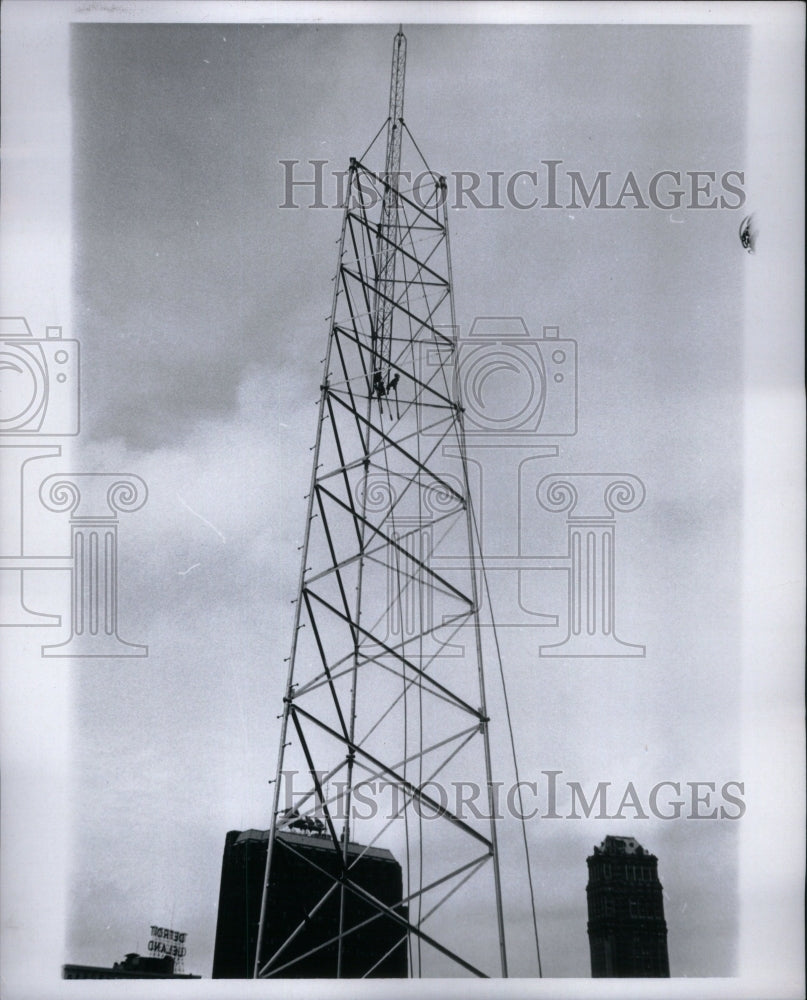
<point x="392" y="386"/>
<point x="379" y="388"/>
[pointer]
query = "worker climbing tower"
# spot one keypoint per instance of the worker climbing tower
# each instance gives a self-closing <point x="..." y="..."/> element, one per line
<point x="384" y="737"/>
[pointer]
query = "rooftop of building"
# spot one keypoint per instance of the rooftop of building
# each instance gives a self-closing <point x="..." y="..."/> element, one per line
<point x="319" y="840"/>
<point x="622" y="845"/>
<point x="133" y="966"/>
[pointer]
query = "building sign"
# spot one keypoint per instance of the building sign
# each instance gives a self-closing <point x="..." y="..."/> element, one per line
<point x="164" y="942"/>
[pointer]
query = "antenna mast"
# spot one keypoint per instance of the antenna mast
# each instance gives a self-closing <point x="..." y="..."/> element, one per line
<point x="385" y="295"/>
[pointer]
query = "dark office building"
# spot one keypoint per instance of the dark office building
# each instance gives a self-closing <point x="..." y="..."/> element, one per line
<point x="133" y="966"/>
<point x="301" y="863"/>
<point x="626" y="929"/>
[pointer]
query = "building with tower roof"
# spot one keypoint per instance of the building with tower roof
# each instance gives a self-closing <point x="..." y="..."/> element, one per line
<point x="627" y="932"/>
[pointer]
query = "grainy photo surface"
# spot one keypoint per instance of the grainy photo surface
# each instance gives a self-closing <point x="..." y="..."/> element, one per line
<point x="382" y="541"/>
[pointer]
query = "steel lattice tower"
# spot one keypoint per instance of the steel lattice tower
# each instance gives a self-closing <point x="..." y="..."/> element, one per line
<point x="384" y="710"/>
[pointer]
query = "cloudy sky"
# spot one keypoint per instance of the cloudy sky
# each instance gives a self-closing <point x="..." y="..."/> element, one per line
<point x="201" y="309"/>
<point x="201" y="304"/>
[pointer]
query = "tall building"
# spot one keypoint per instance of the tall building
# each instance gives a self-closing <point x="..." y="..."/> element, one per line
<point x="627" y="932"/>
<point x="302" y="898"/>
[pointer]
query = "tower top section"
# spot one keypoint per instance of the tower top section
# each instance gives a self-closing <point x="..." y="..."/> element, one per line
<point x="397" y="76"/>
<point x="396" y="104"/>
